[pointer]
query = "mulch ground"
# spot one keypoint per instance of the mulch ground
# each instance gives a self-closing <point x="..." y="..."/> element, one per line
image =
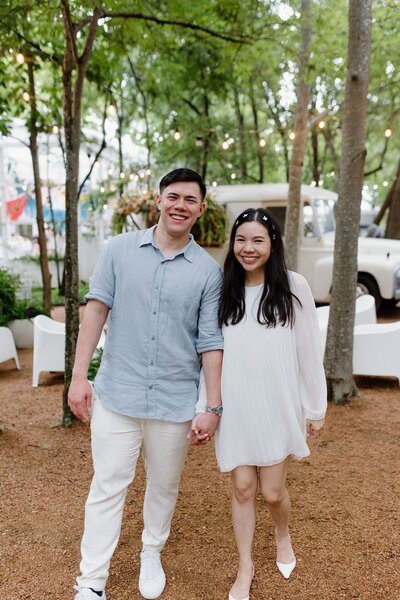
<point x="345" y="521"/>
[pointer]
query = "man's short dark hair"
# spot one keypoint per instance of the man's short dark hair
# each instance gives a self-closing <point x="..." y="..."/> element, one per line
<point x="183" y="175"/>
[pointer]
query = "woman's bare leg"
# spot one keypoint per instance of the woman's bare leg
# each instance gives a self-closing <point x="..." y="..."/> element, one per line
<point x="244" y="489"/>
<point x="273" y="488"/>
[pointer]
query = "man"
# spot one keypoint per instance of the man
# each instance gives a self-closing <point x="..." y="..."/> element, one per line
<point x="161" y="291"/>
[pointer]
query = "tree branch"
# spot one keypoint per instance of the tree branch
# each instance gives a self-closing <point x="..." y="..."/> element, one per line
<point x="380" y="166"/>
<point x="83" y="60"/>
<point x="69" y="27"/>
<point x="184" y="24"/>
<point x="99" y="151"/>
<point x="192" y="106"/>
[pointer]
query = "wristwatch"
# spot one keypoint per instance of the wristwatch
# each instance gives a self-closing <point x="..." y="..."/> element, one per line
<point x="215" y="410"/>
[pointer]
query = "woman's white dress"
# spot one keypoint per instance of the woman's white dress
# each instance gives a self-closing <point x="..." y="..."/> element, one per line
<point x="272" y="381"/>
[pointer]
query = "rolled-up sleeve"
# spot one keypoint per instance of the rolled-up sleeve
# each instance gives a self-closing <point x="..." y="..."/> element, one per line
<point x="209" y="333"/>
<point x="313" y="390"/>
<point x="102" y="282"/>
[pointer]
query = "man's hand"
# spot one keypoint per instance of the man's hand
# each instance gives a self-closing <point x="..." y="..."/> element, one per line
<point x="203" y="428"/>
<point x="314" y="428"/>
<point x="80" y="398"/>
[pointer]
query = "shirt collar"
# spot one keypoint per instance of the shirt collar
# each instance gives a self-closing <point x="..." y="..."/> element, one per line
<point x="188" y="251"/>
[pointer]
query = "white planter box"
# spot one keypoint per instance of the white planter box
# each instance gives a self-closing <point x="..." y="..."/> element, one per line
<point x="22" y="330"/>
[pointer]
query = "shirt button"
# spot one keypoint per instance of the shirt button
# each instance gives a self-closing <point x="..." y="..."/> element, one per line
<point x="154" y="312"/>
<point x="153" y="337"/>
<point x="151" y="364"/>
<point x="150" y="387"/>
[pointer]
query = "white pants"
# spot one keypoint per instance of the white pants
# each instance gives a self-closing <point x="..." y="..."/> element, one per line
<point x="116" y="444"/>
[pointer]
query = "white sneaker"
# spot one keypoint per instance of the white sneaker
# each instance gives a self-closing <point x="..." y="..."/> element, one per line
<point x="152" y="577"/>
<point x="85" y="593"/>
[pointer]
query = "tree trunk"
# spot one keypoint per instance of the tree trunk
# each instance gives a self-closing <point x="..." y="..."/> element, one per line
<point x="33" y="146"/>
<point x="242" y="140"/>
<point x="260" y="154"/>
<point x="339" y="348"/>
<point x="120" y="118"/>
<point x="73" y="90"/>
<point x="207" y="137"/>
<point x="300" y="140"/>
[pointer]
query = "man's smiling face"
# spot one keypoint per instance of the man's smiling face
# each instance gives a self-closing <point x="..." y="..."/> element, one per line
<point x="180" y="205"/>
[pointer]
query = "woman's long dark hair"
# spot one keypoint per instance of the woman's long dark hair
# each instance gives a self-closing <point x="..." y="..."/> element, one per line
<point x="276" y="302"/>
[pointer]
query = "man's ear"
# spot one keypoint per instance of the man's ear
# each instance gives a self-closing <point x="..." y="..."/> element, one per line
<point x="202" y="208"/>
<point x="158" y="201"/>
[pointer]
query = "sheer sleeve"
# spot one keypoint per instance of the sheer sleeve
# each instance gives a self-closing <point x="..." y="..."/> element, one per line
<point x="309" y="351"/>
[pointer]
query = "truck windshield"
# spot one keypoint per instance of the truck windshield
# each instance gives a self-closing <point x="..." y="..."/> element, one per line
<point x="325" y="211"/>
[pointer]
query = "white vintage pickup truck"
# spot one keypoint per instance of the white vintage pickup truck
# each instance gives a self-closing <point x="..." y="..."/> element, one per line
<point x="378" y="258"/>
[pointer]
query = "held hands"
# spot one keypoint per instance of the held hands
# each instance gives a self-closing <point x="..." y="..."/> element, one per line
<point x="314" y="428"/>
<point x="203" y="428"/>
<point x="80" y="398"/>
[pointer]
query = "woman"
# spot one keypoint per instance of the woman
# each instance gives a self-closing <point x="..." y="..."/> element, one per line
<point x="273" y="383"/>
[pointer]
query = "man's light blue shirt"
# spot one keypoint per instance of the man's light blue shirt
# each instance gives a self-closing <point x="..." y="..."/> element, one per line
<point x="163" y="316"/>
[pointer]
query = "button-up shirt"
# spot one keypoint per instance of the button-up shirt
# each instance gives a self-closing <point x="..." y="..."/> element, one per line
<point x="163" y="316"/>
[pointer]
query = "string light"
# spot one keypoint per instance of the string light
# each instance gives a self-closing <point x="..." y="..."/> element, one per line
<point x="292" y="135"/>
<point x="262" y="143"/>
<point x="122" y="175"/>
<point x="102" y="189"/>
<point x="148" y="171"/>
<point x="26" y="96"/>
<point x="177" y="135"/>
<point x="55" y="129"/>
<point x="388" y="133"/>
<point x="214" y="184"/>
<point x="375" y="187"/>
<point x="225" y="145"/>
<point x="20" y="58"/>
<point x="131" y="176"/>
<point x="321" y="124"/>
<point x="233" y="176"/>
<point x="385" y="184"/>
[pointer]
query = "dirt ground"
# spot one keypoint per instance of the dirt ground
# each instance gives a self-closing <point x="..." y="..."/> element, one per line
<point x="345" y="521"/>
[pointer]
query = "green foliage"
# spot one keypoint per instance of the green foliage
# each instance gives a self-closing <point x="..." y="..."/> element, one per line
<point x="10" y="307"/>
<point x="9" y="285"/>
<point x="95" y="364"/>
<point x="163" y="78"/>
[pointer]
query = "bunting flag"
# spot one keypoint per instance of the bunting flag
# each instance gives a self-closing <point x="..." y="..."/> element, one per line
<point x="15" y="207"/>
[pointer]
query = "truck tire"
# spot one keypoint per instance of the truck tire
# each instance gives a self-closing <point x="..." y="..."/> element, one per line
<point x="366" y="284"/>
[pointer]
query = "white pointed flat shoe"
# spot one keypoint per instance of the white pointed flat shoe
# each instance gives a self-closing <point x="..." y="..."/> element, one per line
<point x="286" y="568"/>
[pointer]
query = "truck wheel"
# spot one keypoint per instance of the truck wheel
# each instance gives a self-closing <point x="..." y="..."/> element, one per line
<point x="367" y="285"/>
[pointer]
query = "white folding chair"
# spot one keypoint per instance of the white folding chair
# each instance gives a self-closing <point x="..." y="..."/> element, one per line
<point x="7" y="346"/>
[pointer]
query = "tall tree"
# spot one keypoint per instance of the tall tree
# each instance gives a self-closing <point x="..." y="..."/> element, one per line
<point x="33" y="147"/>
<point x="339" y="348"/>
<point x="300" y="137"/>
<point x="74" y="62"/>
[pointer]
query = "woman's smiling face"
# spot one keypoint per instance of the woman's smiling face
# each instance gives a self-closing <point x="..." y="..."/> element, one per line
<point x="252" y="249"/>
